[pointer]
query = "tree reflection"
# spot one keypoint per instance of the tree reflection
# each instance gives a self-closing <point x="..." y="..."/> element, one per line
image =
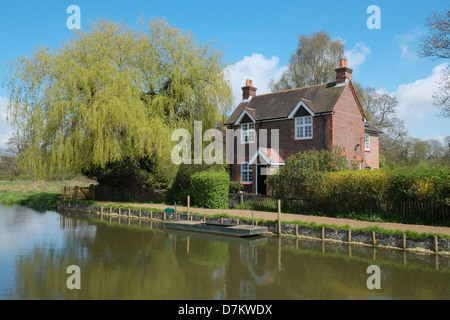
<point x="123" y="262"/>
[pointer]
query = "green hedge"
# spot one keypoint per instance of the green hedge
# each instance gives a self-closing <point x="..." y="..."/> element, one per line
<point x="209" y="189"/>
<point x="349" y="191"/>
<point x="415" y="192"/>
<point x="181" y="187"/>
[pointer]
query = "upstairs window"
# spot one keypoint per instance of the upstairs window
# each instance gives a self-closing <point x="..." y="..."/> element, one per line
<point x="366" y="142"/>
<point x="248" y="132"/>
<point x="303" y="128"/>
<point x="246" y="173"/>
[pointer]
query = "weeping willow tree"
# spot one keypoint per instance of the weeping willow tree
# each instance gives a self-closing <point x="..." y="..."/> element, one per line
<point x="111" y="97"/>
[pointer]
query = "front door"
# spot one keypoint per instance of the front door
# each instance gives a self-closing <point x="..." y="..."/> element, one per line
<point x="262" y="177"/>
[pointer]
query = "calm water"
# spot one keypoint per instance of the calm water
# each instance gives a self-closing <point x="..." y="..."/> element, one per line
<point x="137" y="260"/>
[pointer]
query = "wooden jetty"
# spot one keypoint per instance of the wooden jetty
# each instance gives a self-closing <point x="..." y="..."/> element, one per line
<point x="236" y="230"/>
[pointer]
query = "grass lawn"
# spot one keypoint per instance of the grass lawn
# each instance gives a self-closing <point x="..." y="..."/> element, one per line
<point x="38" y="194"/>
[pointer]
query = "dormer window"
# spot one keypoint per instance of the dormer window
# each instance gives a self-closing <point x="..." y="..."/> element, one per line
<point x="247" y="132"/>
<point x="303" y="128"/>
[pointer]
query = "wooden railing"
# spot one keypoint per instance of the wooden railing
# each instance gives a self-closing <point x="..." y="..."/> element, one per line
<point x="78" y="193"/>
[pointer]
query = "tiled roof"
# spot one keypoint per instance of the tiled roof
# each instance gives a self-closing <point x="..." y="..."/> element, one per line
<point x="370" y="127"/>
<point x="319" y="98"/>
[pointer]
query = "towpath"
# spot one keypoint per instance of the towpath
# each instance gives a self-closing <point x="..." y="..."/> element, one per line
<point x="265" y="215"/>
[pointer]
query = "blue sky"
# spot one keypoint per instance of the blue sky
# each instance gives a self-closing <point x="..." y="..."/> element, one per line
<point x="258" y="38"/>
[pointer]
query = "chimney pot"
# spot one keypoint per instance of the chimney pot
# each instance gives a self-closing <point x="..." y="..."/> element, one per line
<point x="344" y="63"/>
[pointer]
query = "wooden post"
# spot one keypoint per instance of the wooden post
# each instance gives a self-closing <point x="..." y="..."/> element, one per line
<point x="349" y="235"/>
<point x="435" y="244"/>
<point x="188" y="205"/>
<point x="323" y="233"/>
<point x="374" y="240"/>
<point x="404" y="240"/>
<point x="64" y="193"/>
<point x="75" y="193"/>
<point x="279" y="217"/>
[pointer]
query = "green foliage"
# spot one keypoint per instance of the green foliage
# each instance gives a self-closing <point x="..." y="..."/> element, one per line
<point x="181" y="186"/>
<point x="428" y="184"/>
<point x="236" y="186"/>
<point x="349" y="191"/>
<point x="113" y="95"/>
<point x="210" y="189"/>
<point x="303" y="172"/>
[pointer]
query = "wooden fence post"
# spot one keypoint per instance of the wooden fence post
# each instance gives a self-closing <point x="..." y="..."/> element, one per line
<point x="188" y="205"/>
<point x="75" y="193"/>
<point x="279" y="217"/>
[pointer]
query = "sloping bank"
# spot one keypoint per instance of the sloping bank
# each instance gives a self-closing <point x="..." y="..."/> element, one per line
<point x="370" y="234"/>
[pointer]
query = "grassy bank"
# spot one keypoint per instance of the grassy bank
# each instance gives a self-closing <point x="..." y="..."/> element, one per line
<point x="39" y="195"/>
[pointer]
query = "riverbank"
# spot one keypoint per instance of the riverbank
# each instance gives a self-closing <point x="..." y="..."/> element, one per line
<point x="371" y="235"/>
<point x="289" y="217"/>
<point x="39" y="195"/>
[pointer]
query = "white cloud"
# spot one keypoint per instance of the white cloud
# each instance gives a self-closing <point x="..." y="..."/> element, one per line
<point x="408" y="44"/>
<point x="257" y="68"/>
<point x="357" y="55"/>
<point x="5" y="128"/>
<point x="416" y="98"/>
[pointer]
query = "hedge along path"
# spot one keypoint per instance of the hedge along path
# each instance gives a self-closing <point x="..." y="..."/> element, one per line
<point x="271" y="216"/>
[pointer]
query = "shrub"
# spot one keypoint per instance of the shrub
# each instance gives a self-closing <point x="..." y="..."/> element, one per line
<point x="181" y="187"/>
<point x="428" y="184"/>
<point x="303" y="173"/>
<point x="350" y="191"/>
<point x="209" y="189"/>
<point x="236" y="186"/>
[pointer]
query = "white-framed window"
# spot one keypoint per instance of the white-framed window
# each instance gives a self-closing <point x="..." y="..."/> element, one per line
<point x="366" y="142"/>
<point x="303" y="128"/>
<point x="247" y="132"/>
<point x="246" y="173"/>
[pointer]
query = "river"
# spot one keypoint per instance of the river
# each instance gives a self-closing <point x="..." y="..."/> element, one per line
<point x="134" y="259"/>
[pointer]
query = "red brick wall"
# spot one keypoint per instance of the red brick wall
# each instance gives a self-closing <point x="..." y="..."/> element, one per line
<point x="373" y="157"/>
<point x="348" y="125"/>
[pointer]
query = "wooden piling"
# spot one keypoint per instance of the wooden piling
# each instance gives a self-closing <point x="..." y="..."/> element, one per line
<point x="404" y="240"/>
<point x="188" y="205"/>
<point x="279" y="217"/>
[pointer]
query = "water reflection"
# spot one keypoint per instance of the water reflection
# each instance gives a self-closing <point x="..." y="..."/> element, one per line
<point x="137" y="259"/>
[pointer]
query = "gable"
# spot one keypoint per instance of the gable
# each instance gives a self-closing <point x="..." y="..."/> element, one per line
<point x="246" y="119"/>
<point x="302" y="112"/>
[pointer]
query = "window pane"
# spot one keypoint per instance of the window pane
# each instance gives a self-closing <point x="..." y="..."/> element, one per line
<point x="308" y="120"/>
<point x="308" y="131"/>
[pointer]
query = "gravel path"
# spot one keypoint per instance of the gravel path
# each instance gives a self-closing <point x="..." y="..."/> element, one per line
<point x="299" y="217"/>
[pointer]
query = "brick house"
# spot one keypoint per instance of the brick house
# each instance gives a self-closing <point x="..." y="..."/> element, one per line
<point x="315" y="117"/>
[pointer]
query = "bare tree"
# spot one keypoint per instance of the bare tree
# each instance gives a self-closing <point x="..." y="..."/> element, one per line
<point x="313" y="62"/>
<point x="436" y="45"/>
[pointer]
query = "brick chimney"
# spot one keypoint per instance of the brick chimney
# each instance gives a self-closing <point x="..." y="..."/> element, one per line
<point x="249" y="90"/>
<point x="343" y="73"/>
